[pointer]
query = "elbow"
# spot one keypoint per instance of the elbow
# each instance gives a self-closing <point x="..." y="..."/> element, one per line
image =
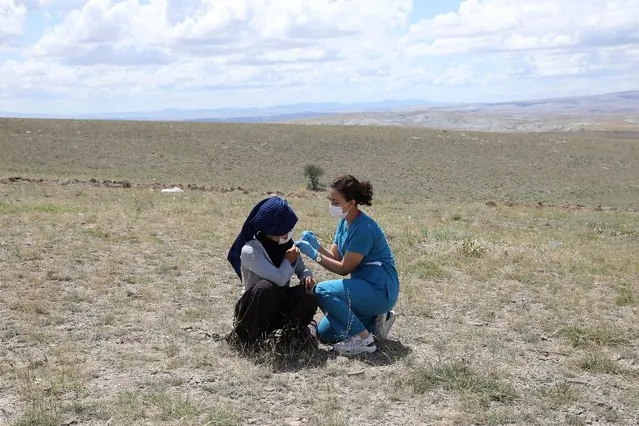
<point x="344" y="272"/>
<point x="281" y="281"/>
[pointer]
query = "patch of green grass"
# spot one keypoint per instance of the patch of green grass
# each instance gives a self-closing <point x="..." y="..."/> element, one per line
<point x="47" y="388"/>
<point x="39" y="415"/>
<point x="524" y="277"/>
<point x="560" y="393"/>
<point x="98" y="233"/>
<point x="427" y="269"/>
<point x="221" y="417"/>
<point x="624" y="296"/>
<point x="500" y="417"/>
<point x="444" y="234"/>
<point x="597" y="362"/>
<point x="405" y="239"/>
<point x="166" y="406"/>
<point x="172" y="407"/>
<point x="130" y="405"/>
<point x="19" y="208"/>
<point x="461" y="377"/>
<point x="599" y="335"/>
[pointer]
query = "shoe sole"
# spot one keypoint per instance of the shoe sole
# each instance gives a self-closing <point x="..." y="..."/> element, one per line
<point x="365" y="350"/>
<point x="387" y="326"/>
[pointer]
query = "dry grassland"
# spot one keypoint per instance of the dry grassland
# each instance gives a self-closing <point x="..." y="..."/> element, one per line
<point x="511" y="312"/>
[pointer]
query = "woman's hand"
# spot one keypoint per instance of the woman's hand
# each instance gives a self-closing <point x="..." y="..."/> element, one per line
<point x="310" y="238"/>
<point x="308" y="282"/>
<point x="306" y="248"/>
<point x="291" y="254"/>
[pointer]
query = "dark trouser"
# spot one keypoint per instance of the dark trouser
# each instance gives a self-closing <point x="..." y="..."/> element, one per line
<point x="265" y="307"/>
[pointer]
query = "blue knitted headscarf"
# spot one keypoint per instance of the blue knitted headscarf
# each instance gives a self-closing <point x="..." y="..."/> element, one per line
<point x="271" y="216"/>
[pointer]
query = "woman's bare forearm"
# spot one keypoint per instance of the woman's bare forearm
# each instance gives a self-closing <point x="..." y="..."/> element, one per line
<point x="326" y="253"/>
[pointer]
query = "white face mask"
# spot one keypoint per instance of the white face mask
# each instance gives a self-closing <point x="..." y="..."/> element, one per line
<point x="336" y="211"/>
<point x="286" y="239"/>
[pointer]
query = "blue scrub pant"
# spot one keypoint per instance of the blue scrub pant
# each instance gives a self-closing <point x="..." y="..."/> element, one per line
<point x="350" y="306"/>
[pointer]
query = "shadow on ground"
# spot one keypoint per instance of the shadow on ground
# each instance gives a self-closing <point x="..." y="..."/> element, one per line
<point x="292" y="358"/>
<point x="388" y="353"/>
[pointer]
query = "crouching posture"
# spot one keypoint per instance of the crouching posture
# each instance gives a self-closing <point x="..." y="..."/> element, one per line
<point x="358" y="306"/>
<point x="265" y="258"/>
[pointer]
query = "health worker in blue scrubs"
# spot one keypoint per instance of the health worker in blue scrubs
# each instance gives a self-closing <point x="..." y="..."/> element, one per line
<point x="354" y="308"/>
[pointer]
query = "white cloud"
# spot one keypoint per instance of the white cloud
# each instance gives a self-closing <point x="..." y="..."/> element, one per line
<point x="214" y="28"/>
<point x="552" y="28"/>
<point x="12" y="17"/>
<point x="199" y="50"/>
<point x="509" y="25"/>
<point x="455" y="76"/>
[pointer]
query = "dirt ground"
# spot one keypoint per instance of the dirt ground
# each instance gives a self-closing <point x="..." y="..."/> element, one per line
<point x="512" y="310"/>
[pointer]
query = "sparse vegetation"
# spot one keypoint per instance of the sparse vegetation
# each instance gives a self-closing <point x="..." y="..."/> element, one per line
<point x="114" y="298"/>
<point x="599" y="335"/>
<point x="625" y="296"/>
<point x="597" y="362"/>
<point x="472" y="248"/>
<point x="459" y="376"/>
<point x="313" y="173"/>
<point x="560" y="393"/>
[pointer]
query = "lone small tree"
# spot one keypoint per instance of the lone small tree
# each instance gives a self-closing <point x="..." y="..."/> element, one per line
<point x="313" y="173"/>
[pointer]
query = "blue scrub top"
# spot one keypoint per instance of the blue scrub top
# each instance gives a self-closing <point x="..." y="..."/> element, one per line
<point x="364" y="236"/>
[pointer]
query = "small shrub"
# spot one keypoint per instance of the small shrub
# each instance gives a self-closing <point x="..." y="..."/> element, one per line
<point x="561" y="393"/>
<point x="313" y="173"/>
<point x="472" y="248"/>
<point x="596" y="228"/>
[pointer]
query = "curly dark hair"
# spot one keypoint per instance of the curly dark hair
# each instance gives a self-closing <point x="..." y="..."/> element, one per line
<point x="353" y="189"/>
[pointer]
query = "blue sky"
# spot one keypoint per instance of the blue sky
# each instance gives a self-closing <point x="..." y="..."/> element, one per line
<point x="91" y="56"/>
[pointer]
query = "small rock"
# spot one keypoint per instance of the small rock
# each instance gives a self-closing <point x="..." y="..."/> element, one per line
<point x="174" y="189"/>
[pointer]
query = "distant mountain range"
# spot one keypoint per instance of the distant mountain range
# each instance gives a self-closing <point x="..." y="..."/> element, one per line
<point x="273" y="113"/>
<point x="606" y="112"/>
<point x="611" y="111"/>
<point x="609" y="103"/>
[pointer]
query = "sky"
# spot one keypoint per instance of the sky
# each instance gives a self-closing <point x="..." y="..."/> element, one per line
<point x="93" y="56"/>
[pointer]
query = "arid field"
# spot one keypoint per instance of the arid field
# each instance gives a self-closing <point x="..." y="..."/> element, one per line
<point x="518" y="261"/>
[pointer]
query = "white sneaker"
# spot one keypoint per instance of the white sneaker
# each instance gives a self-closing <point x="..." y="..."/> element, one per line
<point x="355" y="346"/>
<point x="383" y="324"/>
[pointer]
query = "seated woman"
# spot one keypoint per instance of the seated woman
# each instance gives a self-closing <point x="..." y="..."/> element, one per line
<point x="265" y="258"/>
